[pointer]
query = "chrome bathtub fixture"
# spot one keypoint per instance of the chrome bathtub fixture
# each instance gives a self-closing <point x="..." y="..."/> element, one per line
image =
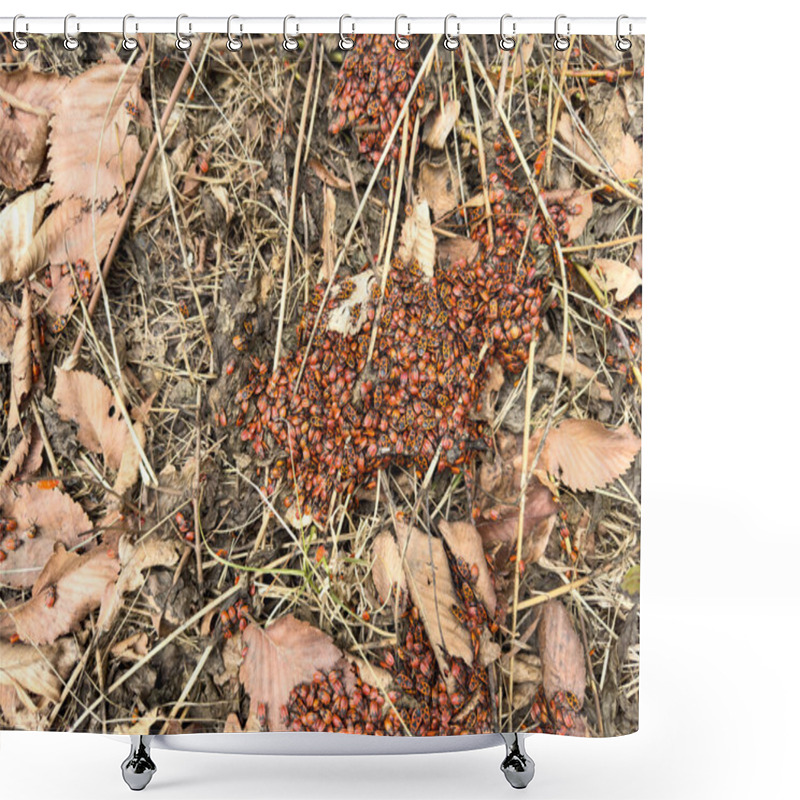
<point x="138" y="768"/>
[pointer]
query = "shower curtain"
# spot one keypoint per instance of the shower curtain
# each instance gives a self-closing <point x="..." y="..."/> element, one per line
<point x="321" y="385"/>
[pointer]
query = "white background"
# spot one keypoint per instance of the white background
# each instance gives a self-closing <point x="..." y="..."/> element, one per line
<point x="720" y="597"/>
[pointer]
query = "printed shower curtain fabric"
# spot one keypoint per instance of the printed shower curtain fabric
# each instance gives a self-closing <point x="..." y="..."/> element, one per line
<point x="321" y="382"/>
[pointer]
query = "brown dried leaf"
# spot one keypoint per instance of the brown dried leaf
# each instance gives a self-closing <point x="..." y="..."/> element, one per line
<point x="327" y="242"/>
<point x="465" y="542"/>
<point x="31" y="96"/>
<point x="86" y="400"/>
<point x="19" y="222"/>
<point x="233" y="724"/>
<point x="135" y="559"/>
<point x="387" y="567"/>
<point x="79" y="582"/>
<point x="579" y="374"/>
<point x="38" y="671"/>
<point x="8" y="329"/>
<point x="21" y="375"/>
<point x="129" y="464"/>
<point x="431" y="586"/>
<point x="442" y="125"/>
<point x="561" y="651"/>
<point x="326" y="176"/>
<point x="436" y="186"/>
<point x="614" y="276"/>
<point x="90" y="116"/>
<point x="52" y="516"/>
<point x="417" y="240"/>
<point x="350" y="314"/>
<point x="132" y="648"/>
<point x="588" y="455"/>
<point x="577" y="205"/>
<point x="279" y="657"/>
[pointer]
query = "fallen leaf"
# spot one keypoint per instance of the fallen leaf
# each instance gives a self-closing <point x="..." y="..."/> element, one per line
<point x="51" y="516"/>
<point x="631" y="580"/>
<point x="436" y="187"/>
<point x="93" y="151"/>
<point x="19" y="222"/>
<point x="465" y="542"/>
<point x="350" y="314"/>
<point x="614" y="276"/>
<point x="455" y="248"/>
<point x="129" y="463"/>
<point x="30" y="96"/>
<point x="417" y="240"/>
<point x="327" y="241"/>
<point x="79" y="583"/>
<point x="21" y="375"/>
<point x="579" y="375"/>
<point x="132" y="648"/>
<point x="431" y="587"/>
<point x="523" y="54"/>
<point x="636" y="258"/>
<point x="443" y="122"/>
<point x="326" y="176"/>
<point x="135" y="558"/>
<point x="587" y="455"/>
<point x="577" y="205"/>
<point x="86" y="400"/>
<point x="387" y="566"/>
<point x="37" y="670"/>
<point x="561" y="652"/>
<point x="8" y="329"/>
<point x="232" y="724"/>
<point x="279" y="657"/>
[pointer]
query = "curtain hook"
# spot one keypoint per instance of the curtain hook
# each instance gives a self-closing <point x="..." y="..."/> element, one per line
<point x="623" y="43"/>
<point x="18" y="42"/>
<point x="507" y="42"/>
<point x="451" y="42"/>
<point x="181" y="41"/>
<point x="400" y="42"/>
<point x="234" y="42"/>
<point x="70" y="42"/>
<point x="128" y="42"/>
<point x="289" y="42"/>
<point x="561" y="43"/>
<point x="345" y="42"/>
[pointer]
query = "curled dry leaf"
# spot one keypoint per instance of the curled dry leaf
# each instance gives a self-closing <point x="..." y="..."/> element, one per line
<point x="579" y="375"/>
<point x="327" y="241"/>
<point x="93" y="152"/>
<point x="455" y="248"/>
<point x="350" y="314"/>
<point x="577" y="205"/>
<point x="8" y="328"/>
<point x="443" y="122"/>
<point x="48" y="516"/>
<point x="19" y="222"/>
<point x="135" y="559"/>
<point x="279" y="657"/>
<point x="417" y="240"/>
<point x="21" y="375"/>
<point x="436" y="186"/>
<point x="587" y="455"/>
<point x="129" y="464"/>
<point x="326" y="176"/>
<point x="69" y="587"/>
<point x="561" y="651"/>
<point x="614" y="276"/>
<point x="431" y="587"/>
<point x="86" y="400"/>
<point x="30" y="96"/>
<point x="465" y="542"/>
<point x="387" y="567"/>
<point x="132" y="648"/>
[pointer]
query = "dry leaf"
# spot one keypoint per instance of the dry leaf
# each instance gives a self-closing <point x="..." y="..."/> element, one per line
<point x="17" y="459"/>
<point x="19" y="222"/>
<point x="417" y="240"/>
<point x="132" y="648"/>
<point x="587" y="455"/>
<point x="21" y="375"/>
<point x="279" y="657"/>
<point x="51" y="516"/>
<point x="455" y="248"/>
<point x="86" y="400"/>
<point x="69" y="587"/>
<point x="92" y="152"/>
<point x="8" y="329"/>
<point x="443" y="122"/>
<point x="431" y="587"/>
<point x="349" y="316"/>
<point x="577" y="205"/>
<point x="387" y="567"/>
<point x="614" y="276"/>
<point x="232" y="724"/>
<point x="327" y="242"/>
<point x="579" y="374"/>
<point x="465" y="542"/>
<point x="134" y="559"/>
<point x="30" y="96"/>
<point x="636" y="258"/>
<point x="326" y="176"/>
<point x="436" y="186"/>
<point x="523" y="54"/>
<point x="38" y="671"/>
<point x="561" y="651"/>
<point x="131" y="458"/>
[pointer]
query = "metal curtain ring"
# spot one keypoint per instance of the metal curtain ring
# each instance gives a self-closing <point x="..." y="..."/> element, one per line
<point x="18" y="42"/>
<point x="181" y="41"/>
<point x="622" y="43"/>
<point x="70" y="42"/>
<point x="560" y="43"/>
<point x="289" y="43"/>
<point x="451" y="42"/>
<point x="507" y="42"/>
<point x="399" y="42"/>
<point x="128" y="42"/>
<point x="234" y="42"/>
<point x="345" y="42"/>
